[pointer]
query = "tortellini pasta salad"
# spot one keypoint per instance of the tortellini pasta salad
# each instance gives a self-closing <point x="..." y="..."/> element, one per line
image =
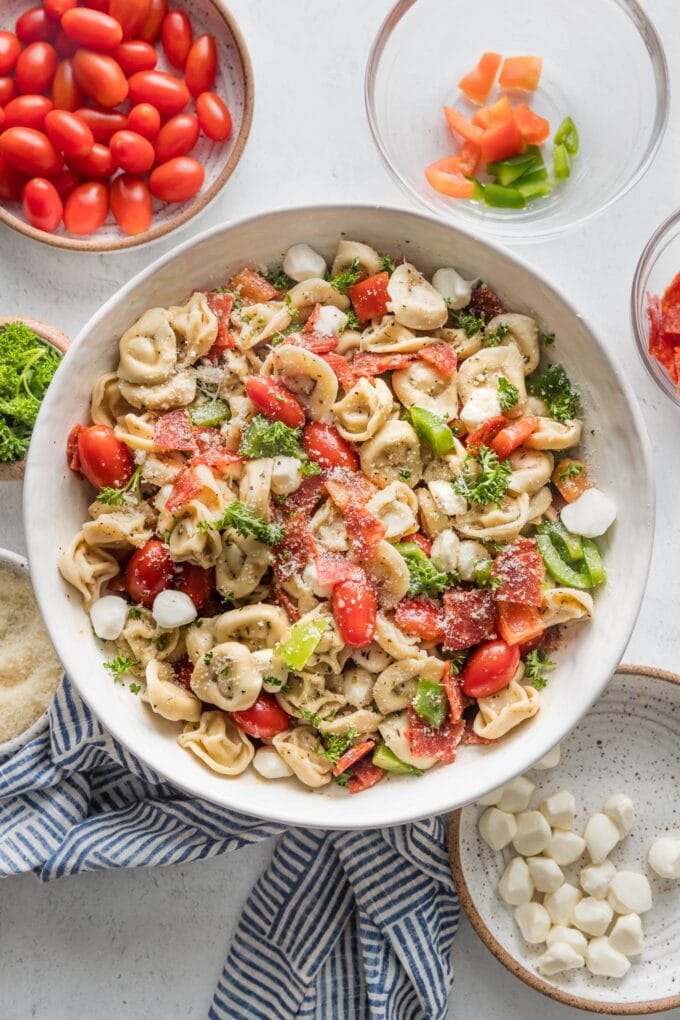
<point x="337" y="524"/>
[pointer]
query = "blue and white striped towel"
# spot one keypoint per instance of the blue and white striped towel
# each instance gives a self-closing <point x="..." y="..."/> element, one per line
<point x="348" y="925"/>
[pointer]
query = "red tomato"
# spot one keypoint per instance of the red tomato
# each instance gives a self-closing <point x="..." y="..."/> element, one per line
<point x="8" y="90"/>
<point x="65" y="182"/>
<point x="66" y="93"/>
<point x="150" y="571"/>
<point x="135" y="55"/>
<point x="97" y="5"/>
<point x="2" y="118"/>
<point x="132" y="152"/>
<point x="64" y="46"/>
<point x="28" y="111"/>
<point x="36" y="67"/>
<point x="513" y="435"/>
<point x="325" y="445"/>
<point x="214" y="116"/>
<point x="104" y="459"/>
<point x="69" y="134"/>
<point x="42" y="204"/>
<point x="102" y="123"/>
<point x="176" y="36"/>
<point x="490" y="668"/>
<point x="355" y="607"/>
<point x="422" y="541"/>
<point x="30" y="152"/>
<point x="131" y="204"/>
<point x="274" y="401"/>
<point x="177" y="137"/>
<point x="145" y="120"/>
<point x="35" y="25"/>
<point x="92" y="29"/>
<point x="177" y="180"/>
<point x="196" y="582"/>
<point x="201" y="66"/>
<point x="370" y="297"/>
<point x="86" y="209"/>
<point x="168" y="94"/>
<point x="420" y="617"/>
<point x="100" y="77"/>
<point x="11" y="182"/>
<point x="10" y="48"/>
<point x="131" y="14"/>
<point x="98" y="165"/>
<point x="265" y="718"/>
<point x="152" y="25"/>
<point x="57" y="8"/>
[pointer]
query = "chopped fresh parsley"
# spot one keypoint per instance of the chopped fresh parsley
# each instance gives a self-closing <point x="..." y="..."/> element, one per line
<point x="116" y="497"/>
<point x="467" y="321"/>
<point x="571" y="470"/>
<point x="281" y="334"/>
<point x="311" y="717"/>
<point x="404" y="474"/>
<point x="134" y="688"/>
<point x="425" y="577"/>
<point x="484" y="479"/>
<point x="160" y="642"/>
<point x="245" y="523"/>
<point x="386" y="264"/>
<point x="278" y="278"/>
<point x="457" y="660"/>
<point x="352" y="320"/>
<point x="275" y="681"/>
<point x="537" y="664"/>
<point x="547" y="339"/>
<point x="309" y="467"/>
<point x="555" y="388"/>
<point x="119" y="666"/>
<point x="134" y="613"/>
<point x="265" y="438"/>
<point x="343" y="281"/>
<point x="342" y="779"/>
<point x="27" y="366"/>
<point x="497" y="337"/>
<point x="207" y="658"/>
<point x="508" y="395"/>
<point x="335" y="746"/>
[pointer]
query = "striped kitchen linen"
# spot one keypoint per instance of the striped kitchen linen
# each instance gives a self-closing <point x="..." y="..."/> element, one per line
<point x="342" y="925"/>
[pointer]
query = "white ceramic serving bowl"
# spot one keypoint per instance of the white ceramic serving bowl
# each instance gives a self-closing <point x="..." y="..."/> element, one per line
<point x="616" y="445"/>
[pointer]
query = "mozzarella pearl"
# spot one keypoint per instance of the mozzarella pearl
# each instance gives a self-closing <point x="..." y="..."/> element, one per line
<point x="173" y="609"/>
<point x="626" y="936"/>
<point x="621" y="810"/>
<point x="270" y="764"/>
<point x="546" y="874"/>
<point x="664" y="856"/>
<point x="601" y="836"/>
<point x="108" y="616"/>
<point x="605" y="961"/>
<point x="516" y="795"/>
<point x="491" y="799"/>
<point x="560" y="904"/>
<point x="630" y="893"/>
<point x="286" y="475"/>
<point x="590" y="515"/>
<point x="565" y="847"/>
<point x="560" y="956"/>
<point x="515" y="885"/>
<point x="497" y="828"/>
<point x="533" y="921"/>
<point x="330" y="321"/>
<point x="447" y="499"/>
<point x="595" y="879"/>
<point x="572" y="936"/>
<point x="453" y="288"/>
<point x="533" y="833"/>
<point x="445" y="548"/>
<point x="303" y="263"/>
<point x="481" y="405"/>
<point x="559" y="809"/>
<point x="592" y="916"/>
<point x="549" y="760"/>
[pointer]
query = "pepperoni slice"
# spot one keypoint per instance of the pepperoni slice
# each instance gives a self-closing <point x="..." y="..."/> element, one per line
<point x="520" y="569"/>
<point x="346" y="487"/>
<point x="306" y="496"/>
<point x="286" y="604"/>
<point x="292" y="553"/>
<point x="440" y="743"/>
<point x="186" y="486"/>
<point x="442" y="358"/>
<point x="312" y="342"/>
<point x="173" y="431"/>
<point x="469" y="617"/>
<point x="365" y="532"/>
<point x="342" y="369"/>
<point x="364" y="775"/>
<point x="458" y="701"/>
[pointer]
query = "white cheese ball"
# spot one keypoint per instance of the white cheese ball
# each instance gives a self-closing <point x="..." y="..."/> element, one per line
<point x="286" y="475"/>
<point x="601" y="836"/>
<point x="480" y="406"/>
<point x="516" y="795"/>
<point x="497" y="828"/>
<point x="330" y="321"/>
<point x="630" y="893"/>
<point x="453" y="288"/>
<point x="595" y="878"/>
<point x="605" y="961"/>
<point x="270" y="764"/>
<point x="546" y="874"/>
<point x="559" y="809"/>
<point x="515" y="885"/>
<point x="444" y="552"/>
<point x="664" y="856"/>
<point x="560" y="904"/>
<point x="490" y="799"/>
<point x="549" y="760"/>
<point x="559" y="957"/>
<point x="572" y="936"/>
<point x="565" y="847"/>
<point x="469" y="555"/>
<point x="590" y="515"/>
<point x="532" y="835"/>
<point x="108" y="616"/>
<point x="592" y="916"/>
<point x="621" y="810"/>
<point x="303" y="263"/>
<point x="447" y="499"/>
<point x="173" y="609"/>
<point x="626" y="936"/>
<point x="533" y="921"/>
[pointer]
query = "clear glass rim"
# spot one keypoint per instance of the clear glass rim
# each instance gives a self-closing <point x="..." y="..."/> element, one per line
<point x="533" y="231"/>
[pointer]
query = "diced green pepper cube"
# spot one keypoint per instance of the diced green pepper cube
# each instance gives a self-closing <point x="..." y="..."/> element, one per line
<point x="301" y="642"/>
<point x="591" y="555"/>
<point x="503" y="198"/>
<point x="567" y="135"/>
<point x="386" y="759"/>
<point x="561" y="166"/>
<point x="433" y="430"/>
<point x="431" y="702"/>
<point x="534" y="189"/>
<point x="210" y="413"/>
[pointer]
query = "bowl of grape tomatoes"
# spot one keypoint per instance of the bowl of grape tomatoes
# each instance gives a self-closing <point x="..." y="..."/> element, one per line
<point x="120" y="120"/>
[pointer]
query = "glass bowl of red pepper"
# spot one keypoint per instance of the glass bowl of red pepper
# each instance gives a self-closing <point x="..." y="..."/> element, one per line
<point x="520" y="120"/>
<point x="655" y="307"/>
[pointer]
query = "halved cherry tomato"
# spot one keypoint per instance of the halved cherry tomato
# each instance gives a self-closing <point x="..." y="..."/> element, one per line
<point x="176" y="36"/>
<point x="100" y="77"/>
<point x="86" y="208"/>
<point x="177" y="180"/>
<point x="145" y="120"/>
<point x="66" y="93"/>
<point x="252" y="287"/>
<point x="214" y="116"/>
<point x="8" y="91"/>
<point x="150" y="571"/>
<point x="11" y="181"/>
<point x="422" y="541"/>
<point x="65" y="182"/>
<point x="265" y="718"/>
<point x="27" y="111"/>
<point x="64" y="46"/>
<point x="42" y="204"/>
<point x="35" y="25"/>
<point x="196" y="582"/>
<point x="131" y="15"/>
<point x="355" y="607"/>
<point x="177" y="137"/>
<point x="324" y="445"/>
<point x="57" y="8"/>
<point x="478" y="83"/>
<point x="131" y="204"/>
<point x="489" y="668"/>
<point x="168" y="94"/>
<point x="134" y="55"/>
<point x="150" y="30"/>
<point x="102" y="123"/>
<point x="461" y="126"/>
<point x="521" y="73"/>
<point x="446" y="176"/>
<point x="98" y="165"/>
<point x="131" y="152"/>
<point x="533" y="129"/>
<point x="201" y="65"/>
<point x="30" y="152"/>
<point x="420" y="617"/>
<point x="105" y="461"/>
<point x="513" y="435"/>
<point x="518" y="624"/>
<point x="69" y="134"/>
<point x="92" y="29"/>
<point x="370" y="297"/>
<point x="501" y="141"/>
<point x="10" y="48"/>
<point x="274" y="401"/>
<point x="36" y="67"/>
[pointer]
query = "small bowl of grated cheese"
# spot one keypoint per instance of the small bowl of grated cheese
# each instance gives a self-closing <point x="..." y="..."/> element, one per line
<point x="29" y="668"/>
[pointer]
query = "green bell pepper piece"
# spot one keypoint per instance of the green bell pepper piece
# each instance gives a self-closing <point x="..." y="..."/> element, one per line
<point x="210" y="413"/>
<point x="301" y="642"/>
<point x="482" y="573"/>
<point x="558" y="569"/>
<point x="567" y="135"/>
<point x="430" y="702"/>
<point x="386" y="759"/>
<point x="568" y="545"/>
<point x="533" y="189"/>
<point x="507" y="172"/>
<point x="535" y="177"/>
<point x="478" y="192"/>
<point x="594" y="563"/>
<point x="561" y="163"/>
<point x="433" y="430"/>
<point x="503" y="198"/>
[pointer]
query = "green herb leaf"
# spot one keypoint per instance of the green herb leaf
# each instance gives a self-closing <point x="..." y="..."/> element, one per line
<point x="469" y="323"/>
<point x="352" y="320"/>
<point x="555" y="388"/>
<point x="336" y="744"/>
<point x="484" y="479"/>
<point x="27" y="366"/>
<point x="547" y="339"/>
<point x="134" y="688"/>
<point x="311" y="717"/>
<point x="425" y="577"/>
<point x="386" y="264"/>
<point x="343" y="281"/>
<point x="265" y="438"/>
<point x="119" y="666"/>
<point x="276" y="276"/>
<point x="497" y="337"/>
<point x="245" y="523"/>
<point x="537" y="665"/>
<point x="508" y="395"/>
<point x="116" y="497"/>
<point x="571" y="471"/>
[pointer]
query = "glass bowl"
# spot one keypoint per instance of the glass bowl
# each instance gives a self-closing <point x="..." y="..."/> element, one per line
<point x="658" y="265"/>
<point x="603" y="65"/>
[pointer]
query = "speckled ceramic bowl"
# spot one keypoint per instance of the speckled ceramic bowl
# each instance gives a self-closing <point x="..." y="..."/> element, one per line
<point x="628" y="743"/>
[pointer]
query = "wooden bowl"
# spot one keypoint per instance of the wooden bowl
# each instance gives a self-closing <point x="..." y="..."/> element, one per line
<point x="14" y="472"/>
<point x="234" y="83"/>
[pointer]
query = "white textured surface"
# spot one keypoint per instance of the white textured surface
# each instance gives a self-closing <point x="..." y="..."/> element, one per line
<point x="151" y="944"/>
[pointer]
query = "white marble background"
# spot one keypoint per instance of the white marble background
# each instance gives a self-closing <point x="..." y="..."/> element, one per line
<point x="140" y="944"/>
